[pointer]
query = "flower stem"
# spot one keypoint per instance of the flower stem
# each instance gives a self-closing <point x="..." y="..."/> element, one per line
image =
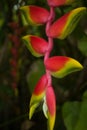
<point x="50" y="42"/>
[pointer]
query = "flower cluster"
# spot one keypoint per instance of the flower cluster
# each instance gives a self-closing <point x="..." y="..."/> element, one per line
<point x="15" y="52"/>
<point x="57" y="66"/>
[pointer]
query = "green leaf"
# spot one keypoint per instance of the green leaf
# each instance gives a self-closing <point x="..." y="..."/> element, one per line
<point x="71" y="114"/>
<point x="75" y="114"/>
<point x="85" y="96"/>
<point x="82" y="44"/>
<point x="82" y="122"/>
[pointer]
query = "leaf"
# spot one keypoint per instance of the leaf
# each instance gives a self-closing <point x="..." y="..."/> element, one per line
<point x="59" y="2"/>
<point x="34" y="15"/>
<point x="82" y="44"/>
<point x="36" y="45"/>
<point x="70" y="113"/>
<point x="82" y="122"/>
<point x="85" y="96"/>
<point x="66" y="23"/>
<point x="75" y="114"/>
<point x="60" y="66"/>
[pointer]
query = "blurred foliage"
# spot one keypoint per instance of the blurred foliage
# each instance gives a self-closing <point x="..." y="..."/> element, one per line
<point x="71" y="91"/>
<point x="75" y="114"/>
<point x="82" y="44"/>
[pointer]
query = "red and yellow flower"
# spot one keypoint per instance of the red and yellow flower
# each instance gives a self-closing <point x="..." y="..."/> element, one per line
<point x="66" y="23"/>
<point x="38" y="94"/>
<point x="37" y="46"/>
<point x="60" y="66"/>
<point x="34" y="15"/>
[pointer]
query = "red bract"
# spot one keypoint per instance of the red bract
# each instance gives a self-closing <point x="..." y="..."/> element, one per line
<point x="51" y="107"/>
<point x="66" y="24"/>
<point x="36" y="45"/>
<point x="58" y="26"/>
<point x="38" y="94"/>
<point x="34" y="14"/>
<point x="56" y="63"/>
<point x="60" y="66"/>
<point x="59" y="2"/>
<point x="41" y="85"/>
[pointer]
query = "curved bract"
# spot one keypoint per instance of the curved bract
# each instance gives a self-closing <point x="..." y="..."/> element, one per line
<point x="36" y="45"/>
<point x="66" y="24"/>
<point x="34" y="15"/>
<point x="60" y="66"/>
<point x="51" y="107"/>
<point x="38" y="94"/>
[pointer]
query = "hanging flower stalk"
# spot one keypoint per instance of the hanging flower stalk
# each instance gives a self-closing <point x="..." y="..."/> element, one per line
<point x="15" y="52"/>
<point x="57" y="66"/>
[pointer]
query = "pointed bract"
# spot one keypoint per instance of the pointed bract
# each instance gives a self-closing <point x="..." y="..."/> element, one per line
<point x="51" y="105"/>
<point x="60" y="66"/>
<point x="36" y="45"/>
<point x="66" y="24"/>
<point x="34" y="15"/>
<point x="59" y="2"/>
<point x="38" y="94"/>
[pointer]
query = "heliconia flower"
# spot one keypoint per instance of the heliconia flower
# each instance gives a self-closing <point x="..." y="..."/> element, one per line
<point x="66" y="24"/>
<point x="60" y="66"/>
<point x="50" y="107"/>
<point x="59" y="2"/>
<point x="34" y="14"/>
<point x="38" y="94"/>
<point x="36" y="45"/>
